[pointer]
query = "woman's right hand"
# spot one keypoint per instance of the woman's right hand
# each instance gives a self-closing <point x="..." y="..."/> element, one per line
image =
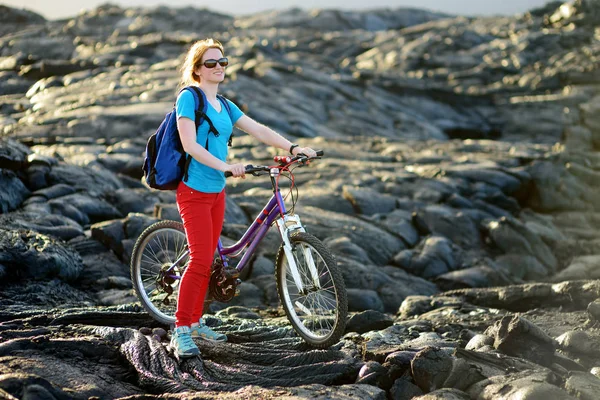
<point x="237" y="170"/>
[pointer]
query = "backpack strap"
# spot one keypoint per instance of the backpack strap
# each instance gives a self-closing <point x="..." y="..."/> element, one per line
<point x="224" y="102"/>
<point x="199" y="112"/>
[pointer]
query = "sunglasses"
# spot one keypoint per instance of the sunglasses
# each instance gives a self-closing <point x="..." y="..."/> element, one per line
<point x="223" y="62"/>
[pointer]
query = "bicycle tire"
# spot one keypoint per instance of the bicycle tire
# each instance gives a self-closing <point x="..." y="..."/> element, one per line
<point x="165" y="315"/>
<point x="284" y="286"/>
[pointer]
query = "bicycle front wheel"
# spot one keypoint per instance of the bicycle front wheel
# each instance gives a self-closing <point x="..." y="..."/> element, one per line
<point x="318" y="310"/>
<point x="159" y="258"/>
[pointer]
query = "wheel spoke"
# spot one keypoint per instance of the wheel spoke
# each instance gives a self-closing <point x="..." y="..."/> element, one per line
<point x="315" y="313"/>
<point x="151" y="278"/>
<point x="148" y="259"/>
<point x="156" y="253"/>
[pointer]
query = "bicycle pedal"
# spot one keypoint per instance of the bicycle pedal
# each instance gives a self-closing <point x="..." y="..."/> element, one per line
<point x="237" y="287"/>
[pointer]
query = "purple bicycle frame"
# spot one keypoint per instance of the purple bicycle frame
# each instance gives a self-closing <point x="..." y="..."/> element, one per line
<point x="255" y="232"/>
<point x="251" y="238"/>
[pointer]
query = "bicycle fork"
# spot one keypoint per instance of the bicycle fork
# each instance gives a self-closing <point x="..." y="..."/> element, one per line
<point x="287" y="225"/>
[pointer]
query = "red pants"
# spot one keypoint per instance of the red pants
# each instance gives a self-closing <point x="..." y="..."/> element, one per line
<point x="202" y="215"/>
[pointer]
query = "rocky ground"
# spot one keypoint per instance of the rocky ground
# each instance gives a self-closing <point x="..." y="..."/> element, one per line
<point x="459" y="194"/>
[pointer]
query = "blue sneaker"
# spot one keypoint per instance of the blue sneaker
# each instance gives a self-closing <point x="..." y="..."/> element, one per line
<point x="203" y="332"/>
<point x="182" y="343"/>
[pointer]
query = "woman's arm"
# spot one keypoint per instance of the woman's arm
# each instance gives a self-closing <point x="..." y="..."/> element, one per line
<point x="269" y="136"/>
<point x="187" y="134"/>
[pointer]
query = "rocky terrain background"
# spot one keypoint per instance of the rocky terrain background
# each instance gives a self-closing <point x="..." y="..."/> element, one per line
<point x="459" y="193"/>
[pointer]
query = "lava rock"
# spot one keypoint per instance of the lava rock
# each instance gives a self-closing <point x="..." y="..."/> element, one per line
<point x="519" y="337"/>
<point x="369" y="320"/>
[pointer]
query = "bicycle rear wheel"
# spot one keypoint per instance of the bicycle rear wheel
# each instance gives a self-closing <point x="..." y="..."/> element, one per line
<point x="154" y="272"/>
<point x="318" y="313"/>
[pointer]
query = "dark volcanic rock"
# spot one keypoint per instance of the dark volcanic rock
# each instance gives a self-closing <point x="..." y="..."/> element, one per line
<point x="327" y="224"/>
<point x="373" y="373"/>
<point x="527" y="384"/>
<point x="435" y="257"/>
<point x="444" y="221"/>
<point x="404" y="390"/>
<point x="579" y="343"/>
<point x="573" y="295"/>
<point x="518" y="337"/>
<point x="477" y="276"/>
<point x="54" y="191"/>
<point x="366" y="321"/>
<point x="594" y="310"/>
<point x="26" y="254"/>
<point x="92" y="179"/>
<point x="55" y="225"/>
<point x="445" y="394"/>
<point x="369" y="202"/>
<point x="430" y="368"/>
<point x="335" y="20"/>
<point x="460" y="153"/>
<point x="10" y="15"/>
<point x="13" y="193"/>
<point x="111" y="234"/>
<point x="13" y="155"/>
<point x="94" y="209"/>
<point x="583" y="385"/>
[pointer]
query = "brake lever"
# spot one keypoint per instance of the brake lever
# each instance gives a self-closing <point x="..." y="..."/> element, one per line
<point x="303" y="158"/>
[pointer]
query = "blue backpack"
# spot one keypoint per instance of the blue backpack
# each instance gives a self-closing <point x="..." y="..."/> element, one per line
<point x="166" y="163"/>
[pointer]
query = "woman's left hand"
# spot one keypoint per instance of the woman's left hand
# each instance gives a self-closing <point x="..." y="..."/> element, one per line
<point x="304" y="150"/>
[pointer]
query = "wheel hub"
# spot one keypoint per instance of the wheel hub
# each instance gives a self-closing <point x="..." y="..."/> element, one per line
<point x="166" y="281"/>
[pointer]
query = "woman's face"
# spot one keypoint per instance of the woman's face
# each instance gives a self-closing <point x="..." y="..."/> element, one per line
<point x="213" y="75"/>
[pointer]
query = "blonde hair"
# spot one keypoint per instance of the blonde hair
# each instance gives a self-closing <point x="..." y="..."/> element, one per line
<point x="193" y="59"/>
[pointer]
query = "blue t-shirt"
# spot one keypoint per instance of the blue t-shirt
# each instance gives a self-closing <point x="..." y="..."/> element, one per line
<point x="202" y="177"/>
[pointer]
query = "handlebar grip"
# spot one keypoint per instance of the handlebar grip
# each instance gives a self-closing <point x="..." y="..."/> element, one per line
<point x="248" y="168"/>
<point x="320" y="153"/>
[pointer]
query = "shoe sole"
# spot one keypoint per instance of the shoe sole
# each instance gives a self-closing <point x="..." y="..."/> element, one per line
<point x="197" y="336"/>
<point x="209" y="340"/>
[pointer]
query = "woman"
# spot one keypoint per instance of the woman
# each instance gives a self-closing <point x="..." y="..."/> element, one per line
<point x="201" y="197"/>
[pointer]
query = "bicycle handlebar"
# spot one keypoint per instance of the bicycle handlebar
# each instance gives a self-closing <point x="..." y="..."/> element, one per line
<point x="252" y="169"/>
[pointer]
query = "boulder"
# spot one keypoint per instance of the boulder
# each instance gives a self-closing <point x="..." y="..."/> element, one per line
<point x="434" y="257"/>
<point x="362" y="299"/>
<point x="526" y="385"/>
<point x="369" y="320"/>
<point x="447" y="222"/>
<point x="404" y="390"/>
<point x="14" y="191"/>
<point x="32" y="255"/>
<point x="518" y="337"/>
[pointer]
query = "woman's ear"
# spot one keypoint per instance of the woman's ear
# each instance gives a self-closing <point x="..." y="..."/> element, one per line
<point x="196" y="77"/>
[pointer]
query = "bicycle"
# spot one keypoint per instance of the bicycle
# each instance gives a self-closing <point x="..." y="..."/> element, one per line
<point x="309" y="284"/>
